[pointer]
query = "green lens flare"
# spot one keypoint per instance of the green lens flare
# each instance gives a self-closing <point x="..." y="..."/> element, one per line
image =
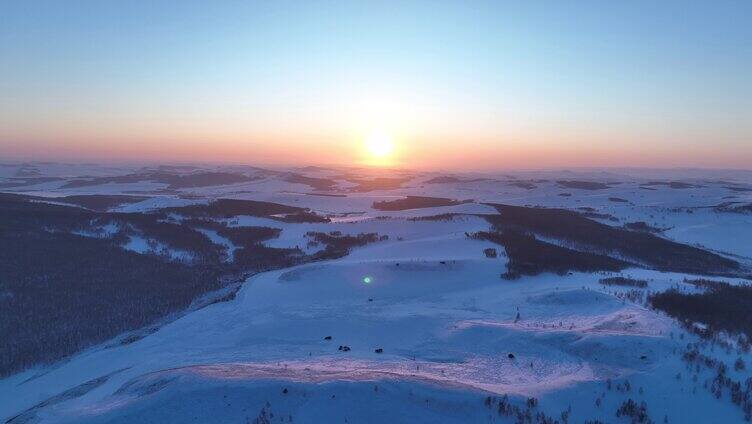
<point x="367" y="280"/>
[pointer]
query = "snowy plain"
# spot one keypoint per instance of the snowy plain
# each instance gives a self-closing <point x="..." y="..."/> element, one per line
<point x="450" y="332"/>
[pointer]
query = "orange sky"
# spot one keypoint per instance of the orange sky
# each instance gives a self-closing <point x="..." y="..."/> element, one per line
<point x="458" y="85"/>
<point x="455" y="153"/>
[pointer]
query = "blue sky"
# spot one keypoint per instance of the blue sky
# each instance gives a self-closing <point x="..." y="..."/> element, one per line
<point x="536" y="81"/>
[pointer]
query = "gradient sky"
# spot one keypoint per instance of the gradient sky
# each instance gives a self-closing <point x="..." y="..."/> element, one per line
<point x="473" y="84"/>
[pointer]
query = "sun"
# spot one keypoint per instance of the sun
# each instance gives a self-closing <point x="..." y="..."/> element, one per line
<point x="379" y="144"/>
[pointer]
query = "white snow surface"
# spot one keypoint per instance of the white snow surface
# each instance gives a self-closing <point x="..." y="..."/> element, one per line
<point x="446" y="321"/>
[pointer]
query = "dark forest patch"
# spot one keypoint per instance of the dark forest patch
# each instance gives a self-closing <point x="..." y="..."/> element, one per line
<point x="617" y="200"/>
<point x="174" y="235"/>
<point x="670" y="184"/>
<point x="337" y="244"/>
<point x="96" y="202"/>
<point x="61" y="292"/>
<point x="380" y="183"/>
<point x="739" y="189"/>
<point x="22" y="182"/>
<point x="416" y="202"/>
<point x="27" y="171"/>
<point x="624" y="282"/>
<point x="248" y="236"/>
<point x="722" y="306"/>
<point x="734" y="207"/>
<point x="174" y="181"/>
<point x="599" y="215"/>
<point x="443" y="180"/>
<point x="258" y="258"/>
<point x="300" y="217"/>
<point x="439" y="217"/>
<point x="643" y="226"/>
<point x="99" y="202"/>
<point x="206" y="179"/>
<point x="251" y="254"/>
<point x="530" y="256"/>
<point x="454" y="180"/>
<point x="325" y="194"/>
<point x="527" y="185"/>
<point x="312" y="168"/>
<point x="227" y="208"/>
<point x="582" y="185"/>
<point x="315" y="183"/>
<point x="586" y="234"/>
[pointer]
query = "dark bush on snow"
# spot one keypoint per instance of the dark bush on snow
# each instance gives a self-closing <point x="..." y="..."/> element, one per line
<point x="636" y="412"/>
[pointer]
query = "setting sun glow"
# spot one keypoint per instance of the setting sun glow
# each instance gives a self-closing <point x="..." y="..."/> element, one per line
<point x="379" y="149"/>
<point x="379" y="145"/>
